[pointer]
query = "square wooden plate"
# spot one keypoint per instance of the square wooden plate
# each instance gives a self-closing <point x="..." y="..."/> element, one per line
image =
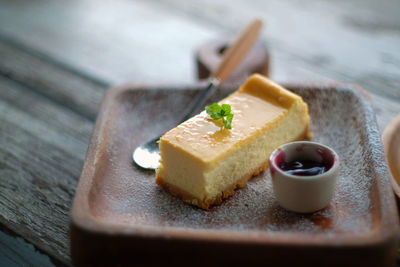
<point x="121" y="216"/>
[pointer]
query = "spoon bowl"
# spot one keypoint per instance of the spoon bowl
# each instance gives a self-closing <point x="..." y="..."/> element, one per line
<point x="147" y="155"/>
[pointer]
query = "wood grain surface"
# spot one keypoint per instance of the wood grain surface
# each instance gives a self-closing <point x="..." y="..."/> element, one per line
<point x="57" y="58"/>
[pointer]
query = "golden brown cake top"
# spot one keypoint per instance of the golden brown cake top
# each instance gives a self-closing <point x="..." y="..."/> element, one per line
<point x="257" y="105"/>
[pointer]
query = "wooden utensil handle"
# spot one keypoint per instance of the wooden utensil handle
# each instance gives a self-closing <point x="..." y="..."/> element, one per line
<point x="235" y="52"/>
<point x="229" y="61"/>
<point x="209" y="56"/>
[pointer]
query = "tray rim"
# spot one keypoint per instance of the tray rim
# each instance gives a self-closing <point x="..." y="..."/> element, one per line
<point x="80" y="215"/>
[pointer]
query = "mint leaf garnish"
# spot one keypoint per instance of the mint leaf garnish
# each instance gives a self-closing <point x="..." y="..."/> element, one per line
<point x="228" y="121"/>
<point x="223" y="112"/>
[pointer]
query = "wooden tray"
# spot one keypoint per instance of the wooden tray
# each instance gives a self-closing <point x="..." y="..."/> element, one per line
<point x="121" y="216"/>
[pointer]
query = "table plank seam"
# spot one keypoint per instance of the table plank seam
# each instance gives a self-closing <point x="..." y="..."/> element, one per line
<point x="12" y="233"/>
<point x="37" y="91"/>
<point x="52" y="60"/>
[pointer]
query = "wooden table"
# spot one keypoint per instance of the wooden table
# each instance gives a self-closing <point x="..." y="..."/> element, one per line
<point x="57" y="58"/>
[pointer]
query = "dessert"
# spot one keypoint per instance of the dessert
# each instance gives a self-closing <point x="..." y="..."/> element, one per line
<point x="203" y="163"/>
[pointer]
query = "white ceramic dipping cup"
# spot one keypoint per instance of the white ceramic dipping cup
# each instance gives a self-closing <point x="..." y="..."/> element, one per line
<point x="304" y="194"/>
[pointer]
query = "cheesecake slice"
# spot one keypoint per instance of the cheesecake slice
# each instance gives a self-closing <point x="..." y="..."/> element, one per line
<point x="203" y="163"/>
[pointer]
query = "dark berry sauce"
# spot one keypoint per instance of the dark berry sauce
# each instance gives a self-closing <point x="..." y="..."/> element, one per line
<point x="304" y="167"/>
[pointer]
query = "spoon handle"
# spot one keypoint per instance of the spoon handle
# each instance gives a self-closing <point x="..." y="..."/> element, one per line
<point x="201" y="100"/>
<point x="147" y="155"/>
<point x="230" y="59"/>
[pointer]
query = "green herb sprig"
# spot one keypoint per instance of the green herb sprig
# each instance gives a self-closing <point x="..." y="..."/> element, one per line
<point x="223" y="112"/>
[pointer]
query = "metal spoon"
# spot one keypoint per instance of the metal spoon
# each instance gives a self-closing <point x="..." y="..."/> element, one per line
<point x="147" y="155"/>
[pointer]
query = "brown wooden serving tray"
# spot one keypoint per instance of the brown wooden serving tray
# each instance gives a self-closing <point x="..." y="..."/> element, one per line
<point x="120" y="216"/>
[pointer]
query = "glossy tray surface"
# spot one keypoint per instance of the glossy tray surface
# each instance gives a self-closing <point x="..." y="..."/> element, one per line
<point x="116" y="197"/>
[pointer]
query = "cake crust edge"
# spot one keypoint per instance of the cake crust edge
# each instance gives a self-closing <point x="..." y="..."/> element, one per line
<point x="217" y="200"/>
